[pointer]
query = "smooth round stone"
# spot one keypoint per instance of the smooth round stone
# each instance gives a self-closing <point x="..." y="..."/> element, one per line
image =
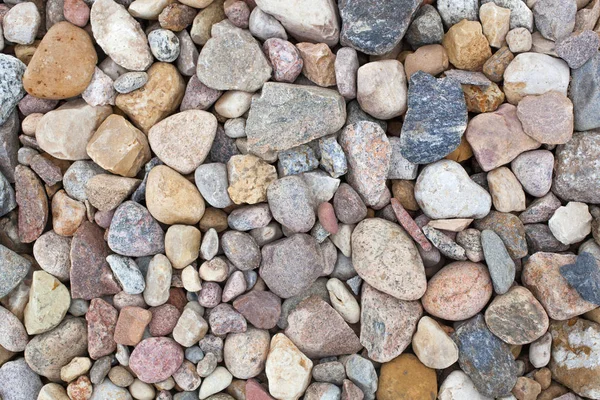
<point x="211" y="180"/>
<point x="155" y="359"/>
<point x="291" y="203"/>
<point x="215" y="270"/>
<point x="245" y="353"/>
<point x="100" y="90"/>
<point x="233" y="104"/>
<point x="164" y="45"/>
<point x="210" y="294"/>
<point x="261" y="308"/>
<point x="235" y="285"/>
<point x="235" y="128"/>
<point x="533" y="169"/>
<point x="182" y="245"/>
<point x="13" y="336"/>
<point x="516" y="317"/>
<point x="191" y="279"/>
<point x="164" y="319"/>
<point x="52" y="253"/>
<point x="210" y="244"/>
<point x="250" y="217"/>
<point x="507" y="193"/>
<point x="433" y="346"/>
<point x="190" y="328"/>
<point x="349" y="207"/>
<point x="18" y="381"/>
<point x="571" y="223"/>
<point x="171" y="198"/>
<point x="130" y="81"/>
<point x="385" y="257"/>
<point x="53" y="391"/>
<point x="431" y="59"/>
<point x="519" y="40"/>
<point x="265" y="26"/>
<point x="134" y="233"/>
<point x="405" y="378"/>
<point x="458" y="386"/>
<point x="238" y="13"/>
<point x="287" y="369"/>
<point x="540" y="350"/>
<point x="207" y="365"/>
<point x="501" y="267"/>
<point x="158" y="281"/>
<point x="458" y="291"/>
<point x="554" y="19"/>
<point x="361" y="372"/>
<point x="21" y="23"/>
<point x="241" y="249"/>
<point x="215" y="382"/>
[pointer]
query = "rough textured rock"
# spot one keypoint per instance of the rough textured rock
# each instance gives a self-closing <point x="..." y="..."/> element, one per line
<point x="584" y="94"/>
<point x="155" y="359"/>
<point x="13" y="270"/>
<point x="134" y="232"/>
<point x="554" y="19"/>
<point x="18" y="381"/>
<point x="249" y="177"/>
<point x="547" y="118"/>
<point x="584" y="276"/>
<point x="101" y="322"/>
<point x="287" y="368"/>
<point x="466" y="45"/>
<point x="33" y="204"/>
<point x="11" y="91"/>
<point x="404" y="378"/>
<point x="48" y="303"/>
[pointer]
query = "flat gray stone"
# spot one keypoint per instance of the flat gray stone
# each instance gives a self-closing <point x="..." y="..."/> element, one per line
<point x="13" y="269"/>
<point x="501" y="266"/>
<point x="18" y="381"/>
<point x="127" y="274"/>
<point x="584" y="92"/>
<point x="426" y="27"/>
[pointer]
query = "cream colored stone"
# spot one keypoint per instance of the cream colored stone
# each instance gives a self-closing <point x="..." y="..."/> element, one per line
<point x="507" y="193"/>
<point x="215" y="270"/>
<point x="249" y="177"/>
<point x="75" y="368"/>
<point x="53" y="391"/>
<point x="119" y="147"/>
<point x="452" y="225"/>
<point x="215" y="382"/>
<point x="466" y="45"/>
<point x="233" y="104"/>
<point x="182" y="245"/>
<point x="30" y="123"/>
<point x="433" y="346"/>
<point x="148" y="9"/>
<point x="519" y="40"/>
<point x="197" y="3"/>
<point x="158" y="281"/>
<point x="190" y="328"/>
<point x="343" y="301"/>
<point x="49" y="301"/>
<point x="106" y="192"/>
<point x="141" y="390"/>
<point x="191" y="279"/>
<point x="495" y="22"/>
<point x="431" y="59"/>
<point x="381" y="89"/>
<point x="571" y="223"/>
<point x="288" y="369"/>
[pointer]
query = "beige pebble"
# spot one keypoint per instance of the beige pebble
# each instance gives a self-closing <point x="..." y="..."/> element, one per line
<point x="182" y="245"/>
<point x="495" y="22"/>
<point x="381" y="89"/>
<point x="215" y="270"/>
<point x="75" y="368"/>
<point x="343" y="301"/>
<point x="233" y="104"/>
<point x="191" y="279"/>
<point x="431" y="59"/>
<point x="507" y="193"/>
<point x="30" y="123"/>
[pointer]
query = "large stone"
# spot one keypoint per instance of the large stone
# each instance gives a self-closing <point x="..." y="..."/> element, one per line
<point x="120" y="35"/>
<point x="444" y="190"/>
<point x="18" y="381"/>
<point x="497" y="138"/>
<point x="387" y="323"/>
<point x="436" y="118"/>
<point x="577" y="48"/>
<point x="155" y="359"/>
<point x="13" y="269"/>
<point x="577" y="175"/>
<point x="287" y="369"/>
<point x="585" y="94"/>
<point x="33" y="204"/>
<point x="48" y="303"/>
<point x="306" y="20"/>
<point x="386" y="258"/>
<point x="134" y="232"/>
<point x="13" y="336"/>
<point x="547" y="118"/>
<point x="584" y="276"/>
<point x="520" y="14"/>
<point x="11" y="90"/>
<point x="406" y="378"/>
<point x="101" y="320"/>
<point x="291" y="202"/>
<point x="63" y="64"/>
<point x="157" y="99"/>
<point x="286" y="115"/>
<point x="555" y="19"/>
<point x="375" y="27"/>
<point x="433" y="346"/>
<point x="232" y="60"/>
<point x="381" y="88"/>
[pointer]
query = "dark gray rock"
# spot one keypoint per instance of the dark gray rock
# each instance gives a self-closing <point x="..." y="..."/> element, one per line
<point x="540" y="238"/>
<point x="584" y="276"/>
<point x="577" y="48"/>
<point x="584" y="92"/>
<point x="18" y="381"/>
<point x="11" y="85"/>
<point x="13" y="269"/>
<point x="375" y="27"/>
<point x="577" y="170"/>
<point x="486" y="359"/>
<point x="286" y="116"/>
<point x="426" y="28"/>
<point x="501" y="266"/>
<point x="8" y="201"/>
<point x="555" y="19"/>
<point x="134" y="232"/>
<point x="436" y="118"/>
<point x="9" y="145"/>
<point x="223" y="147"/>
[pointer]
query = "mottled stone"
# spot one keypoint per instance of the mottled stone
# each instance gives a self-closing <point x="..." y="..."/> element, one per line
<point x="466" y="45"/>
<point x="520" y="14"/>
<point x="11" y="92"/>
<point x="547" y="118"/>
<point x="101" y="322"/>
<point x="554" y="19"/>
<point x="48" y="303"/>
<point x="405" y="378"/>
<point x="425" y="28"/>
<point x="260" y="308"/>
<point x="33" y="204"/>
<point x="249" y="177"/>
<point x="433" y="346"/>
<point x="18" y="381"/>
<point x="444" y="244"/>
<point x="291" y="203"/>
<point x="134" y="233"/>
<point x="155" y="359"/>
<point x="509" y="228"/>
<point x="482" y="100"/>
<point x="106" y="192"/>
<point x="540" y="210"/>
<point x="584" y="94"/>
<point x="13" y="269"/>
<point x="284" y="58"/>
<point x="584" y="276"/>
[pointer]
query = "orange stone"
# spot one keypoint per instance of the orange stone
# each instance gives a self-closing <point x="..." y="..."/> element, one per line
<point x="406" y="378"/>
<point x="131" y="324"/>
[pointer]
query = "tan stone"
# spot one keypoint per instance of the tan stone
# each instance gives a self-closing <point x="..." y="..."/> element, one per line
<point x="171" y="198"/>
<point x="182" y="245"/>
<point x="48" y="303"/>
<point x="63" y="64"/>
<point x="214" y="218"/>
<point x="526" y="389"/>
<point x="75" y="368"/>
<point x="463" y="151"/>
<point x="287" y="369"/>
<point x="249" y="177"/>
<point x="106" y="192"/>
<point x="507" y="193"/>
<point x="67" y="214"/>
<point x="406" y="378"/>
<point x="131" y="324"/>
<point x="206" y="18"/>
<point x="433" y="346"/>
<point x="53" y="391"/>
<point x="495" y="66"/>
<point x="404" y="192"/>
<point x="318" y="63"/>
<point x="64" y="133"/>
<point x="381" y="89"/>
<point x="466" y="45"/>
<point x="148" y="9"/>
<point x="157" y="99"/>
<point x="495" y="22"/>
<point x="25" y="52"/>
<point x="452" y="225"/>
<point x="483" y="99"/>
<point x="119" y="147"/>
<point x="431" y="59"/>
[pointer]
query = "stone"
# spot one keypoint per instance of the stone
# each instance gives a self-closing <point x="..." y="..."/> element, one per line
<point x="76" y="12"/>
<point x="405" y="377"/>
<point x="158" y="281"/>
<point x="509" y="228"/>
<point x="519" y="40"/>
<point x="432" y="127"/>
<point x="182" y="245"/>
<point x="460" y="198"/>
<point x="287" y="368"/>
<point x="107" y="389"/>
<point x="497" y="146"/>
<point x="297" y="160"/>
<point x="400" y="167"/>
<point x="211" y="180"/>
<point x="284" y="271"/>
<point x="330" y="372"/>
<point x="290" y="202"/>
<point x="375" y="243"/>
<point x="507" y="192"/>
<point x="100" y="91"/>
<point x="155" y="359"/>
<point x="466" y="45"/>
<point x="320" y="390"/>
<point x="76" y="177"/>
<point x="249" y="177"/>
<point x="46" y="169"/>
<point x="584" y="276"/>
<point x="164" y="320"/>
<point x="224" y="319"/>
<point x="21" y="23"/>
<point x="425" y="28"/>
<point x="53" y="391"/>
<point x="349" y="207"/>
<point x="164" y="45"/>
<point x="285" y="59"/>
<point x="458" y="386"/>
<point x="304" y="25"/>
<point x="48" y="303"/>
<point x="318" y="63"/>
<point x="65" y="132"/>
<point x="577" y="48"/>
<point x="533" y="169"/>
<point x="454" y="12"/>
<point x="33" y="204"/>
<point x="18" y="381"/>
<point x="63" y="64"/>
<point x="14" y="336"/>
<point x="540" y="44"/>
<point x="264" y="26"/>
<point x="583" y="96"/>
<point x="285" y="116"/>
<point x="571" y="223"/>
<point x="554" y="19"/>
<point x="501" y="266"/>
<point x="543" y="125"/>
<point x="517" y="317"/>
<point x="241" y="250"/>
<point x="13" y="269"/>
<point x="387" y="23"/>
<point x="11" y="70"/>
<point x="495" y="22"/>
<point x="106" y="192"/>
<point x="215" y="382"/>
<point x="541" y="275"/>
<point x="119" y="147"/>
<point x="444" y="244"/>
<point x="261" y="308"/>
<point x="430" y="58"/>
<point x="539" y="351"/>
<point x="48" y="352"/>
<point x="520" y="14"/>
<point x="188" y="53"/>
<point x="31" y="105"/>
<point x="572" y="349"/>
<point x="485" y="358"/>
<point x="233" y="104"/>
<point x="433" y="346"/>
<point x="368" y="152"/>
<point x="127" y="273"/>
<point x="131" y="324"/>
<point x="101" y="322"/>
<point x="540" y="210"/>
<point x="495" y="66"/>
<point x="346" y="65"/>
<point x="77" y="367"/>
<point x="534" y="74"/>
<point x="245" y="353"/>
<point x="470" y="240"/>
<point x="120" y="376"/>
<point x="526" y="388"/>
<point x="130" y="81"/>
<point x="159" y="97"/>
<point x="382" y="101"/>
<point x="134" y="233"/>
<point x="120" y="36"/>
<point x="9" y="143"/>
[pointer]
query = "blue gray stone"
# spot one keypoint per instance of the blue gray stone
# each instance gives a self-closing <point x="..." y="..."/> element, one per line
<point x="436" y="118"/>
<point x="18" y="381"/>
<point x="426" y="28"/>
<point x="501" y="266"/>
<point x="296" y="160"/>
<point x="555" y="19"/>
<point x="356" y="114"/>
<point x="130" y="81"/>
<point x="134" y="232"/>
<point x="8" y="201"/>
<point x="127" y="274"/>
<point x="485" y="358"/>
<point x="584" y="92"/>
<point x="375" y="26"/>
<point x="13" y="269"/>
<point x="584" y="276"/>
<point x="362" y="373"/>
<point x="77" y="176"/>
<point x="11" y="85"/>
<point x="577" y="48"/>
<point x="333" y="159"/>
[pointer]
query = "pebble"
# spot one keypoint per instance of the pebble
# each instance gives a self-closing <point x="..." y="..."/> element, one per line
<point x="241" y="250"/>
<point x="330" y="372"/>
<point x="571" y="223"/>
<point x="182" y="245"/>
<point x="458" y="386"/>
<point x="13" y="270"/>
<point x="211" y="180"/>
<point x="520" y="14"/>
<point x="540" y="210"/>
<point x="31" y="105"/>
<point x="507" y="192"/>
<point x="584" y="95"/>
<point x="470" y="240"/>
<point x="307" y="113"/>
<point x="541" y="275"/>
<point x="155" y="359"/>
<point x="190" y="328"/>
<point x="425" y="28"/>
<point x="534" y="74"/>
<point x="76" y="177"/>
<point x="215" y="270"/>
<point x="577" y="48"/>
<point x="207" y="365"/>
<point x="318" y="63"/>
<point x="431" y="59"/>
<point x="554" y="19"/>
<point x="101" y="323"/>
<point x="519" y="40"/>
<point x="459" y="198"/>
<point x="343" y="301"/>
<point x="534" y="170"/>
<point x="48" y="303"/>
<point x="120" y="376"/>
<point x="265" y="26"/>
<point x="495" y="22"/>
<point x="21" y="23"/>
<point x="296" y="160"/>
<point x="164" y="45"/>
<point x="382" y="101"/>
<point x="210" y="294"/>
<point x="291" y="203"/>
<point x="261" y="308"/>
<point x="245" y="353"/>
<point x="454" y="12"/>
<point x="387" y="23"/>
<point x="100" y="91"/>
<point x="158" y="281"/>
<point x="539" y="351"/>
<point x="164" y="319"/>
<point x="444" y="244"/>
<point x="52" y="391"/>
<point x="346" y="65"/>
<point x="466" y="46"/>
<point x="235" y="286"/>
<point x="249" y="177"/>
<point x="495" y="66"/>
<point x="176" y="17"/>
<point x="509" y="228"/>
<point x="405" y="377"/>
<point x="134" y="233"/>
<point x="210" y="244"/>
<point x="287" y="368"/>
<point x="13" y="334"/>
<point x="74" y="369"/>
<point x="130" y="81"/>
<point x="11" y="70"/>
<point x="105" y="191"/>
<point x="584" y="276"/>
<point x="127" y="274"/>
<point x="18" y="381"/>
<point x="501" y="266"/>
<point x="285" y="59"/>
<point x="433" y="346"/>
<point x="547" y="118"/>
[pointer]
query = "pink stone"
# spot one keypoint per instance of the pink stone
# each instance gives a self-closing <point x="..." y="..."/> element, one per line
<point x="101" y="322"/>
<point x="327" y="217"/>
<point x="164" y="319"/>
<point x="103" y="218"/>
<point x="131" y="324"/>
<point x="254" y="391"/>
<point x="238" y="13"/>
<point x="76" y="12"/>
<point x="410" y="225"/>
<point x="351" y="392"/>
<point x="262" y="309"/>
<point x="156" y="359"/>
<point x="210" y="294"/>
<point x="33" y="204"/>
<point x="224" y="319"/>
<point x="198" y="96"/>
<point x="30" y="104"/>
<point x="284" y="58"/>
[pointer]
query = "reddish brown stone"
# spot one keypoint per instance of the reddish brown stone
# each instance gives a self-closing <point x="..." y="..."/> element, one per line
<point x="81" y="389"/>
<point x="176" y="17"/>
<point x="46" y="169"/>
<point x="410" y="225"/>
<point x="91" y="276"/>
<point x="155" y="359"/>
<point x="67" y="214"/>
<point x="327" y="217"/>
<point x="76" y="12"/>
<point x="33" y="204"/>
<point x="177" y="298"/>
<point x="351" y="392"/>
<point x="210" y="294"/>
<point x="261" y="309"/>
<point x="254" y="391"/>
<point x="285" y="59"/>
<point x="164" y="319"/>
<point x="101" y="321"/>
<point x="238" y="13"/>
<point x="131" y="324"/>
